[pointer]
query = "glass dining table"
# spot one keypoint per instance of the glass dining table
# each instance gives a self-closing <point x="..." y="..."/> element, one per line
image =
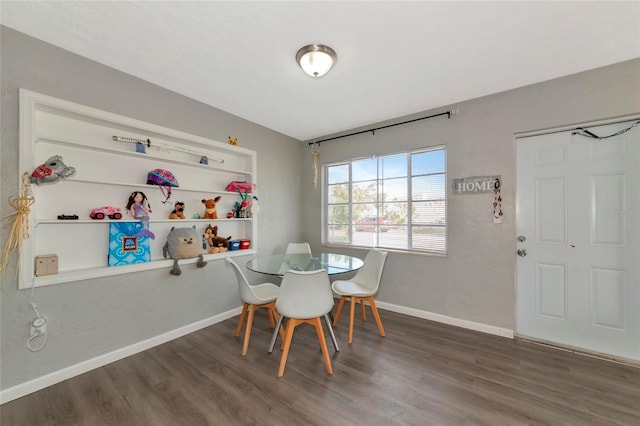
<point x="279" y="264"/>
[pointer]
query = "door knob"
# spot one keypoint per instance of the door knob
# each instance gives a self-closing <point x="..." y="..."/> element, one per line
<point x="522" y="252"/>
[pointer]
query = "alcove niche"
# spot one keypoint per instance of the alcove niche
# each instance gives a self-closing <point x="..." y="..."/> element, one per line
<point x="107" y="171"/>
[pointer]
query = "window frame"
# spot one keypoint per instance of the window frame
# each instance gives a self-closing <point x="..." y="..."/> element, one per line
<point x="380" y="202"/>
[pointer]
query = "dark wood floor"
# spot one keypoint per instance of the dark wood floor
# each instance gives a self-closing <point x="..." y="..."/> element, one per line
<point x="422" y="373"/>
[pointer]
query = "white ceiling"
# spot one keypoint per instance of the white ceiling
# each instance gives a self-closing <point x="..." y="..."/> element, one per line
<point x="394" y="58"/>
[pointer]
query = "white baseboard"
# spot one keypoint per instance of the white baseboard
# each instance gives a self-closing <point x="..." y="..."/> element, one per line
<point x="471" y="325"/>
<point x="26" y="388"/>
<point x="34" y="385"/>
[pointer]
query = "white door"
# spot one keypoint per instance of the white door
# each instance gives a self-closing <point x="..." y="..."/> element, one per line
<point x="578" y="214"/>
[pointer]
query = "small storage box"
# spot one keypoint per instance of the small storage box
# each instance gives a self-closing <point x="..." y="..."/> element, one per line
<point x="244" y="244"/>
<point x="46" y="265"/>
<point x="234" y="245"/>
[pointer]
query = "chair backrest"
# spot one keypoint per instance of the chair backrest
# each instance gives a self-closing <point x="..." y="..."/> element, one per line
<point x="299" y="248"/>
<point x="305" y="294"/>
<point x="371" y="272"/>
<point x="246" y="292"/>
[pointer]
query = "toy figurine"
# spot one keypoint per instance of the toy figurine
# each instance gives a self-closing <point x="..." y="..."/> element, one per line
<point x="210" y="211"/>
<point x="139" y="208"/>
<point x="52" y="170"/>
<point x="178" y="211"/>
<point x="183" y="243"/>
<point x="216" y="244"/>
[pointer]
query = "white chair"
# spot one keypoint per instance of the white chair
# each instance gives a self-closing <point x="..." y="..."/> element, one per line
<point x="254" y="297"/>
<point x="362" y="287"/>
<point x="305" y="297"/>
<point x="298" y="248"/>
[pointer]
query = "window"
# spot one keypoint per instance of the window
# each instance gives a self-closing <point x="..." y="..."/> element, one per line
<point x="394" y="201"/>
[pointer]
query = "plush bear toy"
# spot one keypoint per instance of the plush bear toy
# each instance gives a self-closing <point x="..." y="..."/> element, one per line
<point x="233" y="141"/>
<point x="183" y="243"/>
<point x="210" y="211"/>
<point x="216" y="244"/>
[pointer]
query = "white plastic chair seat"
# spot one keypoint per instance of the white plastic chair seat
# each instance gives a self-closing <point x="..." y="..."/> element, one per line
<point x="305" y="301"/>
<point x="298" y="248"/>
<point x="361" y="288"/>
<point x="305" y="297"/>
<point x="264" y="293"/>
<point x="351" y="288"/>
<point x="254" y="297"/>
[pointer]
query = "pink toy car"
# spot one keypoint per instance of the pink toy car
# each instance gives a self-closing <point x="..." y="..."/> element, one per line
<point x="101" y="212"/>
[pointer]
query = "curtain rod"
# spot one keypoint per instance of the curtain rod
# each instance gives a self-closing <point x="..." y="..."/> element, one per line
<point x="447" y="113"/>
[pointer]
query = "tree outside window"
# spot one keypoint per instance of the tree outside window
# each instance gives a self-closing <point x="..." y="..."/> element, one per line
<point x="395" y="201"/>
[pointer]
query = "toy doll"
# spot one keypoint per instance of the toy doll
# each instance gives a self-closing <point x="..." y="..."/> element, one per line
<point x="139" y="208"/>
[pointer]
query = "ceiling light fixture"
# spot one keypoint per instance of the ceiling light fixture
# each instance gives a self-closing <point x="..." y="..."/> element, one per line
<point x="316" y="59"/>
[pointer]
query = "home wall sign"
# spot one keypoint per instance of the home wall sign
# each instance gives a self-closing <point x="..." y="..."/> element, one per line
<point x="476" y="184"/>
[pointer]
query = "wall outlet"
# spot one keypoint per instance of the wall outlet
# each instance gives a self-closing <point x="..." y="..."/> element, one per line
<point x="38" y="327"/>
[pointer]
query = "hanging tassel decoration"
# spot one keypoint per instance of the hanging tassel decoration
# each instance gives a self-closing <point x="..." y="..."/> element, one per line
<point x="315" y="156"/>
<point x="497" y="203"/>
<point x="19" y="223"/>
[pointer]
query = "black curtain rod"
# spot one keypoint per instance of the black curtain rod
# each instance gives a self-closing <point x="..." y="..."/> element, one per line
<point x="447" y="113"/>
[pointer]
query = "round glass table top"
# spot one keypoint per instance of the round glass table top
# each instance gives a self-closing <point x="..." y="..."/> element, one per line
<point x="278" y="264"/>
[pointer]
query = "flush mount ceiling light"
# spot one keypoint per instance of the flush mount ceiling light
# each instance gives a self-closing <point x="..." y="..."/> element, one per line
<point x="316" y="59"/>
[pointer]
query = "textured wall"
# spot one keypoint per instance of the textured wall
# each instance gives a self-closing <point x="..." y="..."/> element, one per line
<point x="476" y="281"/>
<point x="91" y="318"/>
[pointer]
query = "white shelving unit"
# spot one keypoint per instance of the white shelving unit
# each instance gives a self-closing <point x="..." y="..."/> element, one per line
<point x="107" y="172"/>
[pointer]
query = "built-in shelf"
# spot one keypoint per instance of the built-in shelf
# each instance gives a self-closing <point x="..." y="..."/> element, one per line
<point x="147" y="156"/>
<point x="103" y="221"/>
<point x="95" y="272"/>
<point x="106" y="173"/>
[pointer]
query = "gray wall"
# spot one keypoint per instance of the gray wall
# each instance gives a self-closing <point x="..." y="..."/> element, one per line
<point x="476" y="281"/>
<point x="90" y="318"/>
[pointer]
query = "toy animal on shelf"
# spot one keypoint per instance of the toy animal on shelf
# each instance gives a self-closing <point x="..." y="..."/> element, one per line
<point x="183" y="243"/>
<point x="52" y="170"/>
<point x="178" y="211"/>
<point x="210" y="211"/>
<point x="216" y="244"/>
<point x="233" y="141"/>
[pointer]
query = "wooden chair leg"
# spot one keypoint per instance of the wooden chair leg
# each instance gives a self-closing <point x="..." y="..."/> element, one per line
<point x="339" y="310"/>
<point x="271" y="308"/>
<point x="247" y="331"/>
<point x="323" y="344"/>
<point x="242" y="316"/>
<point x="276" y="317"/>
<point x="291" y="324"/>
<point x="352" y="314"/>
<point x="376" y="315"/>
<point x="362" y="311"/>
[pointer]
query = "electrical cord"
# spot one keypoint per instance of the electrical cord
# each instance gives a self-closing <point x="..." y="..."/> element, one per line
<point x="35" y="336"/>
<point x="587" y="134"/>
<point x="37" y="322"/>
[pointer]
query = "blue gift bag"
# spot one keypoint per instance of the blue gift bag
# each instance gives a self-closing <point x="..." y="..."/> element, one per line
<point x="126" y="246"/>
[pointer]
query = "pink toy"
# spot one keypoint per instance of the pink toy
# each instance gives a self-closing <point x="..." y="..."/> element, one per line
<point x="101" y="212"/>
<point x="52" y="170"/>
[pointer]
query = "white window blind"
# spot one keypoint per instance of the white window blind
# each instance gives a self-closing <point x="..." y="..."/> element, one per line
<point x="395" y="201"/>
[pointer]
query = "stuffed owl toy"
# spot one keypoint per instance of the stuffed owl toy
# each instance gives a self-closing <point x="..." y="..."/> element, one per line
<point x="183" y="243"/>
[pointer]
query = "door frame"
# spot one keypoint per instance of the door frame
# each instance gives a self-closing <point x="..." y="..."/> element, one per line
<point x="546" y="131"/>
